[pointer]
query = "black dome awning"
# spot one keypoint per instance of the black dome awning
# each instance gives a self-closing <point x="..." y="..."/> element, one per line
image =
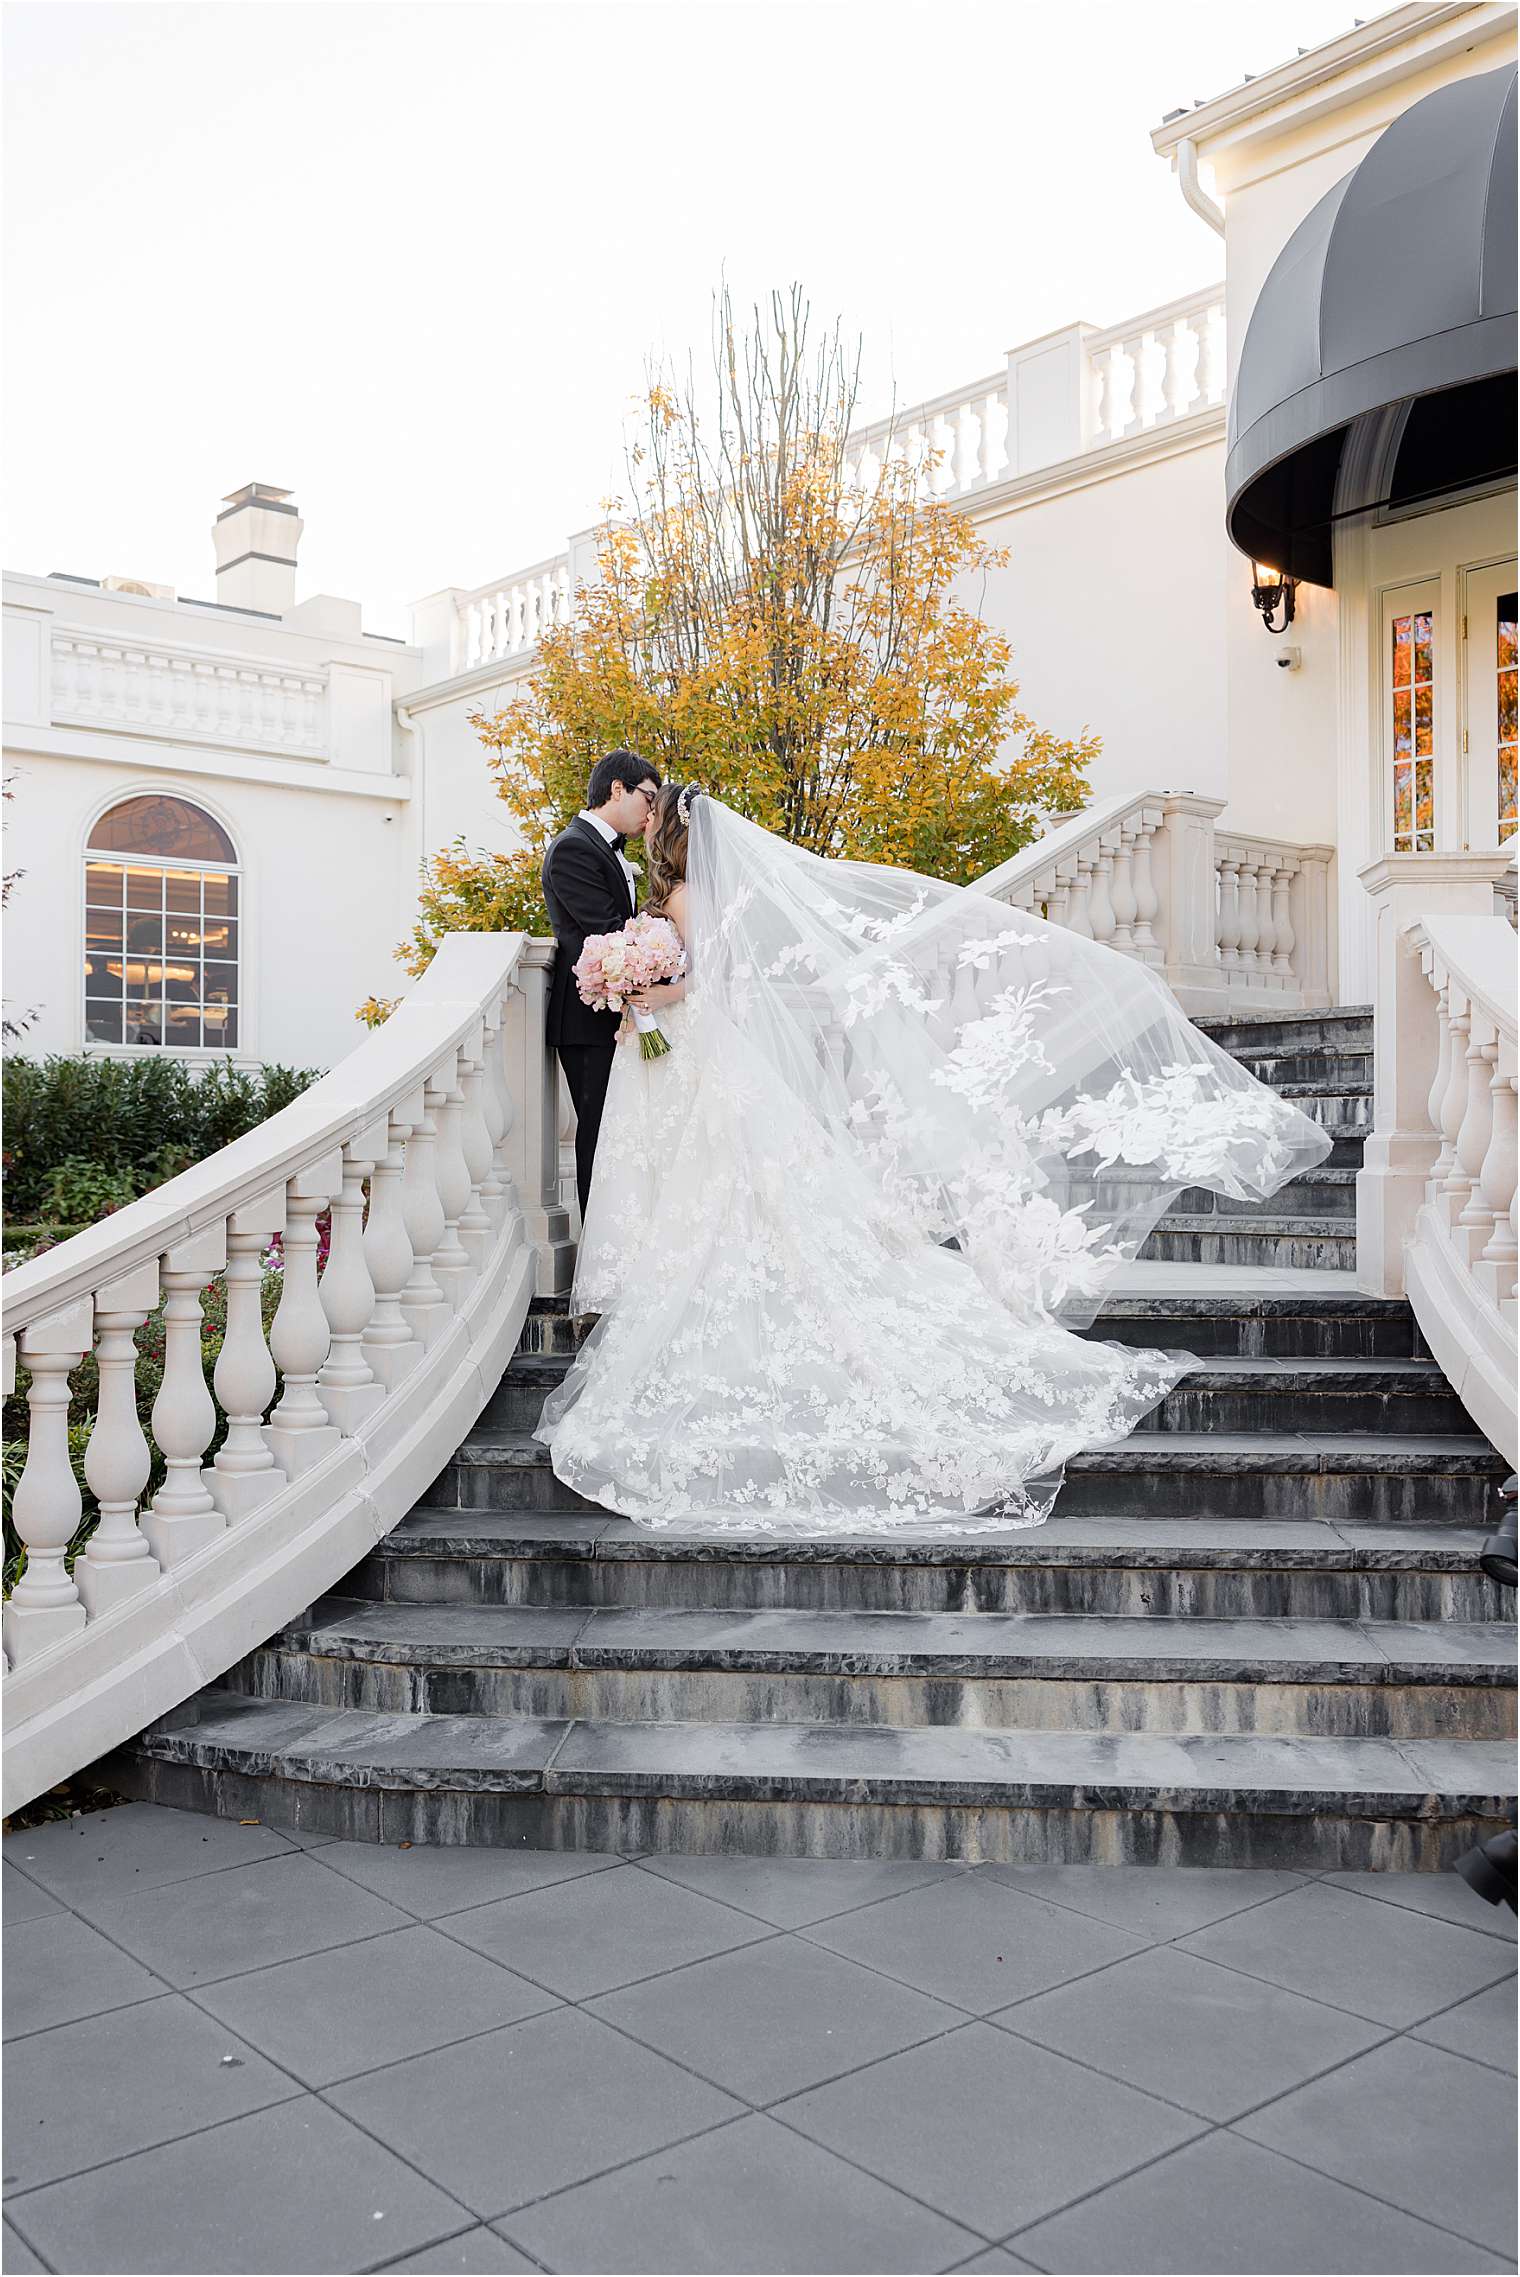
<point x="1398" y="286"/>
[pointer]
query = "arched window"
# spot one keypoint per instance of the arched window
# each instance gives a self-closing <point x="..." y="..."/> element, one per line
<point x="161" y="928"/>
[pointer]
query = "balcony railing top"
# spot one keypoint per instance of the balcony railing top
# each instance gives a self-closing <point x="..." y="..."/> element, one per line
<point x="1073" y="392"/>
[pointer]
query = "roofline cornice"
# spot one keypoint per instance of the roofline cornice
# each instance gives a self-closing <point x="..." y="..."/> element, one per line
<point x="1425" y="30"/>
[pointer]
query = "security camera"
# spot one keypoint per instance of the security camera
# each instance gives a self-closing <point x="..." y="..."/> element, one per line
<point x="1288" y="659"/>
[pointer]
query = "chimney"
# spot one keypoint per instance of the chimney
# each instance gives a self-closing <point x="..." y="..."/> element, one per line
<point x="256" y="539"/>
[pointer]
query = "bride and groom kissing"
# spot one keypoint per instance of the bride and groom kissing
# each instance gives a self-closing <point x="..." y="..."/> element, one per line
<point x="845" y="1230"/>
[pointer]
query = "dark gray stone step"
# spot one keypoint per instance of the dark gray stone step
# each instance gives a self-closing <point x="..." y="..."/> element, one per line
<point x="811" y="1790"/>
<point x="1215" y="1474"/>
<point x="706" y="1664"/>
<point x="1250" y="1395"/>
<point x="1256" y="1325"/>
<point x="1325" y="1192"/>
<point x="1220" y="1569"/>
<point x="1322" y="1071"/>
<point x="1340" y="1027"/>
<point x="1307" y="1244"/>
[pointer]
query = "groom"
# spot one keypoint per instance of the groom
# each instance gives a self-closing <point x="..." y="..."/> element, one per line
<point x="590" y="888"/>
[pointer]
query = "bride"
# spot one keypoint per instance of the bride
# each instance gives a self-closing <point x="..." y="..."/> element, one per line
<point x="841" y="1234"/>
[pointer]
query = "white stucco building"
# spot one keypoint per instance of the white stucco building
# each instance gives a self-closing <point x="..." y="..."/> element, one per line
<point x="220" y="806"/>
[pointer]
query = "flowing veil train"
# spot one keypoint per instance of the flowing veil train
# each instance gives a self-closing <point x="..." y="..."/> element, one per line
<point x="842" y="1234"/>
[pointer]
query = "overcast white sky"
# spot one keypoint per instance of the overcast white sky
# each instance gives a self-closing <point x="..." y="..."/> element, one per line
<point x="408" y="260"/>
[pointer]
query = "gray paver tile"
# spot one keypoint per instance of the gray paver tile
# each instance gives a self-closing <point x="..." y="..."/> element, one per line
<point x="16" y="2256"/>
<point x="1382" y="1961"/>
<point x="990" y="2130"/>
<point x="1222" y="2203"/>
<point x="791" y="1892"/>
<point x="136" y="1846"/>
<point x="430" y="1879"/>
<point x="114" y="2084"/>
<point x="1149" y="1901"/>
<point x="478" y="2253"/>
<point x="532" y="2108"/>
<point x="293" y="2188"/>
<point x="355" y="2007"/>
<point x="1413" y="2125"/>
<point x="213" y="1925"/>
<point x="1208" y="2038"/>
<point x="1447" y="1896"/>
<point x="975" y="1941"/>
<point x="588" y="1936"/>
<point x="772" y="2019"/>
<point x="994" y="2263"/>
<point x="752" y="2196"/>
<point x="58" y="1968"/>
<point x="21" y="1899"/>
<point x="1483" y="2027"/>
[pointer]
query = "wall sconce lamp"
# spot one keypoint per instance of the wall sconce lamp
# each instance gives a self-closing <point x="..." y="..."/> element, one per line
<point x="1272" y="591"/>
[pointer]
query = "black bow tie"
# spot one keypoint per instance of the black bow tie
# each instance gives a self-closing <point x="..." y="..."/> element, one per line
<point x="618" y="844"/>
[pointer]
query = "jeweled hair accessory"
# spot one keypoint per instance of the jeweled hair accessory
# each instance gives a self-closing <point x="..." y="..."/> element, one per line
<point x="683" y="803"/>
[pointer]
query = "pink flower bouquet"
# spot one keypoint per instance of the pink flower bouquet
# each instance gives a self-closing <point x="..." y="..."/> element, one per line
<point x="614" y="966"/>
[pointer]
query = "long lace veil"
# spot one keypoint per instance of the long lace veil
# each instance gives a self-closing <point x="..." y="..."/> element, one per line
<point x="1018" y="1091"/>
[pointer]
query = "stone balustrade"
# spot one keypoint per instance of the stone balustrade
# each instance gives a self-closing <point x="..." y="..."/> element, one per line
<point x="1055" y="399"/>
<point x="1232" y="923"/>
<point x="1456" y="1076"/>
<point x="433" y="1151"/>
<point x="155" y="688"/>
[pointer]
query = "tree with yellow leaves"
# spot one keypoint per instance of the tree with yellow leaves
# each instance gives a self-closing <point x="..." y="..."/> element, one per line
<point x="793" y="634"/>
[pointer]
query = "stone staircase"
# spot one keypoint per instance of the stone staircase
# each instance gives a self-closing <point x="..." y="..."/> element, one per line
<point x="1256" y="1633"/>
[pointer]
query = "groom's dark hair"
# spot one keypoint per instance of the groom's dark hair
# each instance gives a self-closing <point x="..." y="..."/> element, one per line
<point x="625" y="767"/>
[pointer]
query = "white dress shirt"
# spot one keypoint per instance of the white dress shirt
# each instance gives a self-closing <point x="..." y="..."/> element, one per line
<point x="610" y="835"/>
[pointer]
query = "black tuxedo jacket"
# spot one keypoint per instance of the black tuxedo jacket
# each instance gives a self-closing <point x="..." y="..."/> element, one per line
<point x="586" y="892"/>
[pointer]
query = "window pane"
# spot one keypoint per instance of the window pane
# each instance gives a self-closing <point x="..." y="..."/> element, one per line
<point x="221" y="984"/>
<point x="102" y="929"/>
<point x="182" y="937"/>
<point x="145" y="889"/>
<point x="182" y="982"/>
<point x="102" y="976"/>
<point x="102" y="1021"/>
<point x="145" y="935"/>
<point x="1508" y="818"/>
<point x="182" y="890"/>
<point x="1402" y="627"/>
<point x="103" y="883"/>
<point x="219" y="937"/>
<point x="156" y="825"/>
<point x="184" y="1028"/>
<point x="144" y="1021"/>
<point x="1423" y="721"/>
<point x="1422" y="664"/>
<point x="221" y="1026"/>
<point x="221" y="894"/>
<point x="1412" y="693"/>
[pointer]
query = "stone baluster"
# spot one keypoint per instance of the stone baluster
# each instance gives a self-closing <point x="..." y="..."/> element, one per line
<point x="389" y="1345"/>
<point x="1476" y="1220"/>
<point x="477" y="1228"/>
<point x="244" y="1473"/>
<point x="1250" y="924"/>
<point x="451" y="1260"/>
<point x="45" y="1509"/>
<point x="1435" y="1103"/>
<point x="1106" y="393"/>
<point x="1455" y="1185"/>
<point x="298" y="1433"/>
<point x="1147" y="900"/>
<point x="1228" y="932"/>
<point x="1078" y="919"/>
<point x="1100" y="906"/>
<point x="1122" y="894"/>
<point x="1496" y="1265"/>
<point x="117" y="1561"/>
<point x="348" y="1387"/>
<point x="1283" y="939"/>
<point x="182" y="1517"/>
<point x="422" y="1300"/>
<point x="494" y="1110"/>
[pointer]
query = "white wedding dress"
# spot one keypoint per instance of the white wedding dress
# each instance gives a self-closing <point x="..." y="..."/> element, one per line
<point x="841" y="1234"/>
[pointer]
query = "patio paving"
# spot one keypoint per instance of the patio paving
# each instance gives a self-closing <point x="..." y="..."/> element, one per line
<point x="232" y="2050"/>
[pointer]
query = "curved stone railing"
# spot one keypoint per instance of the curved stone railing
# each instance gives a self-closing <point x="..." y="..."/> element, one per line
<point x="1459" y="1261"/>
<point x="433" y="1146"/>
<point x="1233" y="923"/>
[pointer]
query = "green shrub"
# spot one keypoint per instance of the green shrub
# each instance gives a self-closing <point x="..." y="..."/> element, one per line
<point x="79" y="1191"/>
<point x="144" y="1119"/>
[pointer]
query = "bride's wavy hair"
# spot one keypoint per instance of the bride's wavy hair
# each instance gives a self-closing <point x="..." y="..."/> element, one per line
<point x="665" y="855"/>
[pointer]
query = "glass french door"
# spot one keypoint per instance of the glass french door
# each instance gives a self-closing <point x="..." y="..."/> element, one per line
<point x="1490" y="665"/>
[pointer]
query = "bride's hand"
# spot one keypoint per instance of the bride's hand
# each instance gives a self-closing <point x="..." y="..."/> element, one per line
<point x="663" y="992"/>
